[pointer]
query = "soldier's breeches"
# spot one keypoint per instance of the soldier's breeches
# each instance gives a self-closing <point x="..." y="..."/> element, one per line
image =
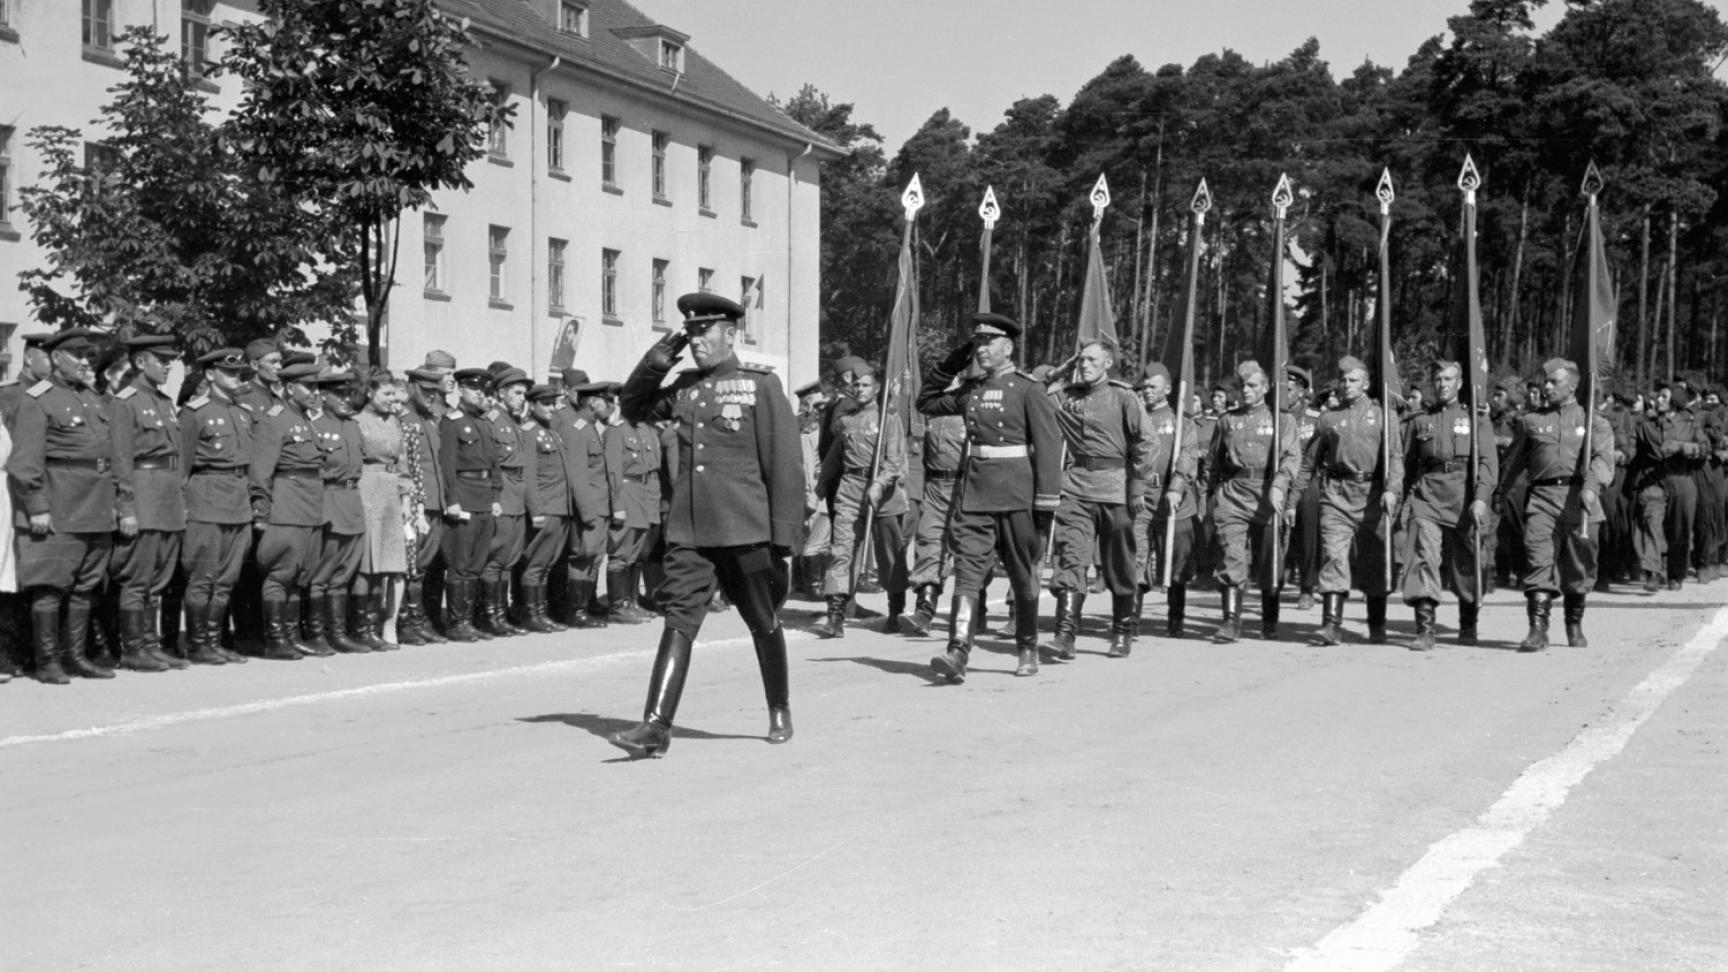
<point x="1651" y="537"/>
<point x="587" y="546"/>
<point x="338" y="562"/>
<point x="1245" y="550"/>
<point x="63" y="561"/>
<point x="286" y="558"/>
<point x="431" y="545"/>
<point x="1305" y="537"/>
<point x="1342" y="533"/>
<point x="1558" y="557"/>
<point x="1679" y="523"/>
<point x="546" y="544"/>
<point x="1011" y="535"/>
<point x="212" y="554"/>
<point x="466" y="543"/>
<point x="1082" y="525"/>
<point x="846" y="533"/>
<point x="143" y="566"/>
<point x="929" y="566"/>
<point x="817" y="535"/>
<point x="1156" y="534"/>
<point x="509" y="539"/>
<point x="626" y="545"/>
<point x="753" y="579"/>
<point x="1435" y="554"/>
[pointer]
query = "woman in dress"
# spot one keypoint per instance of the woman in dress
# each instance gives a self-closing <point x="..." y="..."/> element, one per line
<point x="383" y="484"/>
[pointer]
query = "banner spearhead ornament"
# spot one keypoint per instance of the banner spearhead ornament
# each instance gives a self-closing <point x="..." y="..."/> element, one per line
<point x="1100" y="197"/>
<point x="1469" y="180"/>
<point x="913" y="198"/>
<point x="988" y="210"/>
<point x="1384" y="192"/>
<point x="1282" y="196"/>
<point x="1592" y="180"/>
<point x="1202" y="203"/>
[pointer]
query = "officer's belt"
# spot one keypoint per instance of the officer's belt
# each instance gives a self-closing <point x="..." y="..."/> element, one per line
<point x="310" y="473"/>
<point x="856" y="470"/>
<point x="341" y="483"/>
<point x="1097" y="462"/>
<point x="1249" y="472"/>
<point x="480" y="474"/>
<point x="1000" y="451"/>
<point x="1153" y="482"/>
<point x="633" y="477"/>
<point x="159" y="462"/>
<point x="1337" y="474"/>
<point x="1558" y="481"/>
<point x="98" y="465"/>
<point x="941" y="473"/>
<point x="389" y="467"/>
<point x="1445" y="465"/>
<point x="235" y="471"/>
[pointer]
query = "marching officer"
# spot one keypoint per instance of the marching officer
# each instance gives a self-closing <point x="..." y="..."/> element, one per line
<point x="152" y="506"/>
<point x="548" y="503"/>
<point x="288" y="508"/>
<point x="1549" y="444"/>
<point x="862" y="473"/>
<point x="1445" y="516"/>
<point x="582" y="427"/>
<point x="737" y="507"/>
<point x="1252" y="464"/>
<point x="1011" y="487"/>
<point x="62" y="479"/>
<point x="337" y="622"/>
<point x="215" y="458"/>
<point x="469" y="464"/>
<point x="944" y="456"/>
<point x="1172" y="490"/>
<point x="1104" y="488"/>
<point x="633" y="462"/>
<point x="1359" y="493"/>
<point x="36" y="367"/>
<point x="510" y="527"/>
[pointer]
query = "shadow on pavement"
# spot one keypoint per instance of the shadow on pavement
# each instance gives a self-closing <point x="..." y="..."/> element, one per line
<point x="603" y="726"/>
<point x="893" y="666"/>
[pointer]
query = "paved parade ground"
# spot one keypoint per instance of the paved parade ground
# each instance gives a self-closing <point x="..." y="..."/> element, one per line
<point x="1196" y="806"/>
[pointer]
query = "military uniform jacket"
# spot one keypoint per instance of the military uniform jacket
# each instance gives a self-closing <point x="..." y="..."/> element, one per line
<point x="585" y="453"/>
<point x="1662" y="444"/>
<point x="344" y="456"/>
<point x="515" y="461"/>
<point x="1436" y="457"/>
<point x="146" y="433"/>
<point x="633" y="460"/>
<point x="468" y="461"/>
<point x="1348" y="446"/>
<point x="1625" y="427"/>
<point x="1006" y="413"/>
<point x="1109" y="455"/>
<point x="1546" y="445"/>
<point x="62" y="459"/>
<point x="1183" y="474"/>
<point x="740" y="474"/>
<point x="944" y="444"/>
<point x="1245" y="461"/>
<point x="255" y="398"/>
<point x="853" y="447"/>
<point x="215" y="460"/>
<point x="287" y="469"/>
<point x="11" y="396"/>
<point x="549" y="492"/>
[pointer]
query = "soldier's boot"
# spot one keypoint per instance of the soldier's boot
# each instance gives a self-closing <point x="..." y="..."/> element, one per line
<point x="923" y="610"/>
<point x="1269" y="613"/>
<point x="535" y="620"/>
<point x="334" y="612"/>
<point x="580" y="591"/>
<point x="103" y="647"/>
<point x="1139" y="609"/>
<point x="508" y="618"/>
<point x="74" y="639"/>
<point x="1123" y="620"/>
<point x="296" y="617"/>
<point x="431" y="597"/>
<point x="460" y="626"/>
<point x="981" y="615"/>
<point x="1068" y="607"/>
<point x="1537" y="605"/>
<point x="1651" y="583"/>
<point x="1572" y="608"/>
<point x="202" y="636"/>
<point x="834" y="624"/>
<point x="369" y="613"/>
<point x="543" y="608"/>
<point x="1468" y="612"/>
<point x="491" y="609"/>
<point x="1305" y="600"/>
<point x="665" y="687"/>
<point x="135" y="645"/>
<point x="278" y="645"/>
<point x="892" y="624"/>
<point x="411" y="623"/>
<point x="1331" y="620"/>
<point x="153" y="634"/>
<point x="627" y="610"/>
<point x="776" y="684"/>
<point x="45" y="640"/>
<point x="217" y="619"/>
<point x="1176" y="604"/>
<point x="1424" y="640"/>
<point x="320" y="630"/>
<point x="1026" y="637"/>
<point x="1377" y="619"/>
<point x="1231" y="629"/>
<point x="951" y="664"/>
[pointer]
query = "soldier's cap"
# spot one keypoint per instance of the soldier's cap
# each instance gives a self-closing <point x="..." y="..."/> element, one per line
<point x="1042" y="373"/>
<point x="808" y="388"/>
<point x="853" y="365"/>
<point x="259" y="348"/>
<point x="476" y="377"/>
<point x="305" y="371"/>
<point x="442" y="362"/>
<point x="574" y="377"/>
<point x="35" y="338"/>
<point x="988" y="325"/>
<point x="298" y="357"/>
<point x="165" y="345"/>
<point x="1350" y="363"/>
<point x="542" y="392"/>
<point x="1152" y="369"/>
<point x="426" y="376"/>
<point x="1300" y="374"/>
<point x="511" y="376"/>
<point x="337" y="379"/>
<point x="702" y="310"/>
<point x="228" y="359"/>
<point x="497" y="368"/>
<point x="76" y="339"/>
<point x="592" y="387"/>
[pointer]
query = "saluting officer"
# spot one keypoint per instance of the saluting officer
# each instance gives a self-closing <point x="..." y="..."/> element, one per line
<point x="582" y="427"/>
<point x="62" y="478"/>
<point x="1252" y="463"/>
<point x="152" y="505"/>
<point x="861" y="488"/>
<point x="36" y="367"/>
<point x="469" y="464"/>
<point x="337" y="623"/>
<point x="1011" y="487"/>
<point x="1359" y="492"/>
<point x="1548" y="443"/>
<point x="633" y="461"/>
<point x="215" y="457"/>
<point x="1172" y="490"/>
<point x="288" y="507"/>
<point x="548" y="502"/>
<point x="510" y="527"/>
<point x="1445" y="516"/>
<point x="737" y="507"/>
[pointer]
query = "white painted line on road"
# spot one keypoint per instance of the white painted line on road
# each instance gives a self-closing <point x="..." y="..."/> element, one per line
<point x="1382" y="937"/>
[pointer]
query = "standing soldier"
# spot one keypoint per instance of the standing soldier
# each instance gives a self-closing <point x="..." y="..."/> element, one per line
<point x="510" y="528"/>
<point x="548" y="508"/>
<point x="468" y="456"/>
<point x="1561" y="557"/>
<point x="1172" y="489"/>
<point x="422" y="590"/>
<point x="862" y="472"/>
<point x="944" y="455"/>
<point x="1359" y="493"/>
<point x="264" y="388"/>
<point x="1305" y="532"/>
<point x="1252" y="464"/>
<point x="1445" y="518"/>
<point x="807" y="562"/>
<point x="1617" y="554"/>
<point x="737" y="507"/>
<point x="36" y="367"/>
<point x="339" y="621"/>
<point x="152" y="506"/>
<point x="1669" y="446"/>
<point x="62" y="479"/>
<point x="582" y="427"/>
<point x="215" y="456"/>
<point x="1103" y="489"/>
<point x="288" y="507"/>
<point x="633" y="460"/>
<point x="1011" y="487"/>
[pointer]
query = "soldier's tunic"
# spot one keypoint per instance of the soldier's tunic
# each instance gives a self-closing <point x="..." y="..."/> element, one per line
<point x="1248" y="457"/>
<point x="633" y="460"/>
<point x="1559" y="556"/>
<point x="1206" y="549"/>
<point x="1509" y="514"/>
<point x="62" y="464"/>
<point x="944" y="453"/>
<point x="257" y="398"/>
<point x="738" y="497"/>
<point x="468" y="461"/>
<point x="816" y="524"/>
<point x="1172" y="466"/>
<point x="1305" y="532"/>
<point x="1347" y="458"/>
<point x="590" y="489"/>
<point x="342" y="543"/>
<point x="1108" y="460"/>
<point x="288" y="498"/>
<point x="1618" y="500"/>
<point x="510" y="527"/>
<point x="548" y="501"/>
<point x="846" y="478"/>
<point x="146" y="436"/>
<point x="11" y="397"/>
<point x="1708" y="475"/>
<point x="215" y="458"/>
<point x="1014" y="466"/>
<point x="1668" y="449"/>
<point x="1440" y="539"/>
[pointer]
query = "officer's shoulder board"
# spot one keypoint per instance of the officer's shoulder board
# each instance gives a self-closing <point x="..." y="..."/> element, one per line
<point x="127" y="392"/>
<point x="199" y="402"/>
<point x="754" y="368"/>
<point x="1029" y="376"/>
<point x="454" y="414"/>
<point x="492" y="415"/>
<point x="40" y="388"/>
<point x="1119" y="383"/>
<point x="275" y="410"/>
<point x="580" y="423"/>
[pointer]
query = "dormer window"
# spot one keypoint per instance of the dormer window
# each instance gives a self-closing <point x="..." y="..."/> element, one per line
<point x="573" y="18"/>
<point x="661" y="45"/>
<point x="671" y="57"/>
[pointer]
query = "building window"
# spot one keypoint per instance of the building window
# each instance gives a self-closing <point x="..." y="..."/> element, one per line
<point x="573" y="19"/>
<point x="498" y="127"/>
<point x="432" y="234"/>
<point x="5" y="173"/>
<point x="5" y="21"/>
<point x="660" y="141"/>
<point x="100" y="161"/>
<point x="498" y="252"/>
<point x="555" y="273"/>
<point x="609" y="283"/>
<point x="705" y="280"/>
<point x="99" y="24"/>
<point x="608" y="150"/>
<point x="672" y="56"/>
<point x="195" y="36"/>
<point x="555" y="111"/>
<point x="7" y="333"/>
<point x="704" y="173"/>
<point x="746" y="175"/>
<point x="749" y="298"/>
<point x="660" y="267"/>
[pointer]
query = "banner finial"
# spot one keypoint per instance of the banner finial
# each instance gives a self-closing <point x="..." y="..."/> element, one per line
<point x="1100" y="197"/>
<point x="988" y="210"/>
<point x="1592" y="180"/>
<point x="1469" y="180"/>
<point x="1384" y="192"/>
<point x="1282" y="196"/>
<point x="913" y="198"/>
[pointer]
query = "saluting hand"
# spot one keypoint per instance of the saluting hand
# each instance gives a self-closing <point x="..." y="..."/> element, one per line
<point x="665" y="351"/>
<point x="958" y="359"/>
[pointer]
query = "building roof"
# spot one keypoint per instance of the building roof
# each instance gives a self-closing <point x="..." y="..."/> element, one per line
<point x="701" y="85"/>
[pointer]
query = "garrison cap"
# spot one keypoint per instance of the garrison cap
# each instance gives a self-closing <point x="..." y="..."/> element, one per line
<point x="479" y="377"/>
<point x="306" y="371"/>
<point x="852" y="364"/>
<point x="986" y="324"/>
<point x="1153" y="368"/>
<point x="1300" y="374"/>
<point x="72" y="339"/>
<point x="703" y="309"/>
<point x="440" y="361"/>
<point x="35" y="339"/>
<point x="228" y="359"/>
<point x="261" y="347"/>
<point x="540" y="393"/>
<point x="574" y="377"/>
<point x="593" y="388"/>
<point x="511" y="376"/>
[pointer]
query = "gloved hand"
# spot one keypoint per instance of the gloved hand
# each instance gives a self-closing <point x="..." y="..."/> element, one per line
<point x="958" y="359"/>
<point x="664" y="354"/>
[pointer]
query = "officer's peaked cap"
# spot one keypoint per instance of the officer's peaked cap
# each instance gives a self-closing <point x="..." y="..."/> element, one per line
<point x="511" y="376"/>
<point x="426" y="376"/>
<point x="705" y="308"/>
<point x="1300" y="374"/>
<point x="540" y="393"/>
<point x="166" y="344"/>
<point x="72" y="339"/>
<point x="304" y="371"/>
<point x="573" y="377"/>
<point x="479" y="376"/>
<point x="336" y="379"/>
<point x="987" y="324"/>
<point x="36" y="339"/>
<point x="232" y="359"/>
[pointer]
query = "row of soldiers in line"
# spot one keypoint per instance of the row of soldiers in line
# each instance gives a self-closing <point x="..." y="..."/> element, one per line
<point x="1008" y="466"/>
<point x="243" y="502"/>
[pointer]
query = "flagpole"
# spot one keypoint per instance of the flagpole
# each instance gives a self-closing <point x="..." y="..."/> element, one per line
<point x="1383" y="351"/>
<point x="1282" y="197"/>
<point x="1469" y="180"/>
<point x="1591" y="186"/>
<point x="1183" y="380"/>
<point x="990" y="212"/>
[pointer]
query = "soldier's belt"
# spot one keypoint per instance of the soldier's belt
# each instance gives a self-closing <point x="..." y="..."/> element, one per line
<point x="1445" y="465"/>
<point x="941" y="473"/>
<point x="1558" y="481"/>
<point x="1348" y="476"/>
<point x="237" y="472"/>
<point x="162" y="462"/>
<point x="389" y="467"/>
<point x="1098" y="462"/>
<point x="341" y="484"/>
<point x="299" y="474"/>
<point x="97" y="465"/>
<point x="855" y="470"/>
<point x="1248" y="472"/>
<point x="1000" y="451"/>
<point x="480" y="474"/>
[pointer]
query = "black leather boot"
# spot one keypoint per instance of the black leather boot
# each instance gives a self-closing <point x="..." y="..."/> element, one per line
<point x="321" y="631"/>
<point x="1231" y="629"/>
<point x="962" y="614"/>
<point x="1468" y="612"/>
<point x="1572" y="607"/>
<point x="430" y="600"/>
<point x="135" y="644"/>
<point x="334" y="611"/>
<point x="580" y="591"/>
<point x="1122" y="622"/>
<point x="534" y="620"/>
<point x="1377" y="620"/>
<point x="45" y="640"/>
<point x="1331" y="620"/>
<point x="366" y="620"/>
<point x="834" y="625"/>
<point x="896" y="606"/>
<point x="412" y="627"/>
<point x="293" y="619"/>
<point x="1026" y="635"/>
<point x="621" y="595"/>
<point x="776" y="684"/>
<point x="492" y="604"/>
<point x="1269" y="615"/>
<point x="102" y="648"/>
<point x="278" y="645"/>
<point x="199" y="633"/>
<point x="1537" y="605"/>
<point x="75" y="637"/>
<point x="460" y="618"/>
<point x="217" y="620"/>
<point x="923" y="610"/>
<point x="1068" y="607"/>
<point x="1424" y="640"/>
<point x="155" y="631"/>
<point x="1176" y="603"/>
<point x="665" y="688"/>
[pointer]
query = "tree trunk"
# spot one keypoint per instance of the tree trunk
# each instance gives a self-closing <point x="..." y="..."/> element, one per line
<point x="1511" y="323"/>
<point x="1673" y="288"/>
<point x="1644" y="298"/>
